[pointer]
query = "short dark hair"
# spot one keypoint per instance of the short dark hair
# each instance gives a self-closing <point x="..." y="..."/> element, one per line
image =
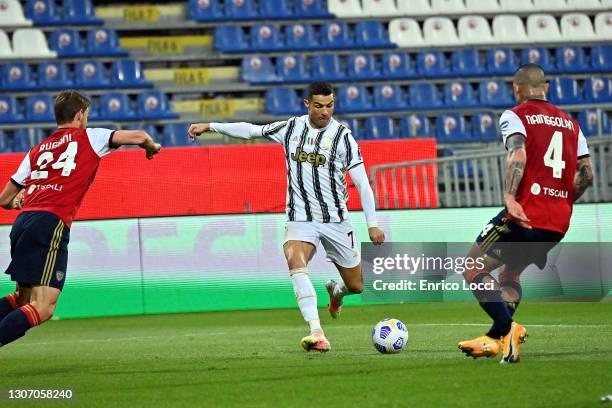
<point x="320" y="88"/>
<point x="67" y="104"/>
<point x="530" y="74"/>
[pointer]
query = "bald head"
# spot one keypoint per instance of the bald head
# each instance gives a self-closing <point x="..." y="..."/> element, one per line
<point x="530" y="82"/>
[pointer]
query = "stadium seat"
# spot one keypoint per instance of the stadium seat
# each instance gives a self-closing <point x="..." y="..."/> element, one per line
<point x="564" y="91"/>
<point x="513" y="6"/>
<point x="116" y="106"/>
<point x="292" y="68"/>
<point x="265" y="37"/>
<point x="448" y="7"/>
<point x="155" y="105"/>
<point x="432" y="64"/>
<point x="275" y="10"/>
<point x="371" y="34"/>
<point x="481" y="6"/>
<point x="300" y="37"/>
<point x="5" y="143"/>
<point x="67" y="43"/>
<point x="17" y="76"/>
<point x="21" y="140"/>
<point x="39" y="136"/>
<point x="345" y="8"/>
<point x="230" y="39"/>
<point x="501" y="61"/>
<point x="483" y="127"/>
<point x="459" y="95"/>
<point x="6" y="50"/>
<point x="474" y="30"/>
<point x="467" y="62"/>
<point x="42" y="12"/>
<point x="495" y="94"/>
<point x="31" y="43"/>
<point x="353" y="125"/>
<point x="129" y="74"/>
<point x="415" y="126"/>
<point x="205" y="10"/>
<point x="175" y="135"/>
<point x="379" y="8"/>
<point x="540" y="56"/>
<point x="235" y="10"/>
<point x="601" y="58"/>
<point x="509" y="29"/>
<point x="577" y="27"/>
<point x="440" y="31"/>
<point x="94" y="112"/>
<point x="405" y="32"/>
<point x="149" y="128"/>
<point x="389" y="98"/>
<point x="104" y="42"/>
<point x="353" y="98"/>
<point x="327" y="67"/>
<point x="11" y="14"/>
<point x="424" y="96"/>
<point x="54" y="75"/>
<point x="549" y="5"/>
<point x="380" y="127"/>
<point x="585" y="5"/>
<point x="543" y="28"/>
<point x="283" y="101"/>
<point x="603" y="26"/>
<point x="591" y="123"/>
<point x="39" y="108"/>
<point x="91" y="74"/>
<point x="397" y="65"/>
<point x="257" y="70"/>
<point x="10" y="111"/>
<point x="80" y="12"/>
<point x="571" y="59"/>
<point x="311" y="9"/>
<point x="362" y="66"/>
<point x="597" y="90"/>
<point x="452" y="128"/>
<point x="335" y="35"/>
<point x="414" y="8"/>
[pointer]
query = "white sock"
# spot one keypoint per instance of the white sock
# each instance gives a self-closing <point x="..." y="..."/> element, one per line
<point x="340" y="290"/>
<point x="306" y="297"/>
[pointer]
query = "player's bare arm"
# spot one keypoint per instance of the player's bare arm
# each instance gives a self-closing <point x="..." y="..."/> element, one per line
<point x="583" y="178"/>
<point x="136" y="137"/>
<point x="515" y="168"/>
<point x="10" y="198"/>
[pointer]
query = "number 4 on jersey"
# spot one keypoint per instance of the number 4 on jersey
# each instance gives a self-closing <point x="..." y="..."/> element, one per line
<point x="554" y="155"/>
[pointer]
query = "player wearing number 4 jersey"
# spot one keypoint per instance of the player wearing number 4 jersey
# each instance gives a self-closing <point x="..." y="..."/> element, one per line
<point x="318" y="153"/>
<point x="548" y="168"/>
<point x="49" y="185"/>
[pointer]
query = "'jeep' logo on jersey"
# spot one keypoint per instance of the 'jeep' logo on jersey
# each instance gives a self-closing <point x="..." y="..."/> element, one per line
<point x="314" y="159"/>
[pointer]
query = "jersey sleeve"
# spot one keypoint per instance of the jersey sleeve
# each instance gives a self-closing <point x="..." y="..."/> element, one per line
<point x="583" y="148"/>
<point x="99" y="139"/>
<point x="509" y="124"/>
<point x="275" y="131"/>
<point x="23" y="172"/>
<point x="352" y="153"/>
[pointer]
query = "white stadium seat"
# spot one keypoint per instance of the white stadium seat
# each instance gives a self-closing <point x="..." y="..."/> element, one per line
<point x="543" y="28"/>
<point x="509" y="29"/>
<point x="550" y="5"/>
<point x="405" y="32"/>
<point x="448" y="7"/>
<point x="345" y="8"/>
<point x="6" y="51"/>
<point x="513" y="6"/>
<point x="11" y="14"/>
<point x="577" y="27"/>
<point x="414" y="8"/>
<point x="603" y="26"/>
<point x="482" y="6"/>
<point x="474" y="30"/>
<point x="585" y="5"/>
<point x="380" y="8"/>
<point x="440" y="31"/>
<point x="31" y="43"/>
<point x="607" y="4"/>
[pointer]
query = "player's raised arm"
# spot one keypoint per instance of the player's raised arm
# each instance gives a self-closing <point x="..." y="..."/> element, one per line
<point x="241" y="130"/>
<point x="138" y="138"/>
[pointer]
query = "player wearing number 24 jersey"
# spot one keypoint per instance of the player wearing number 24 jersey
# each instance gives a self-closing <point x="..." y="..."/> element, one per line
<point x="49" y="185"/>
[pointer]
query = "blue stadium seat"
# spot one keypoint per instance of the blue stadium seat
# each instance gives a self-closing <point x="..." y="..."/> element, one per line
<point x="432" y="64"/>
<point x="353" y="98"/>
<point x="459" y="95"/>
<point x="94" y="112"/>
<point x="175" y="135"/>
<point x="590" y="122"/>
<point x="416" y="126"/>
<point x="362" y="66"/>
<point x="380" y="127"/>
<point x="80" y="12"/>
<point x="42" y="12"/>
<point x="397" y="65"/>
<point x="327" y="67"/>
<point x="564" y="91"/>
<point x="336" y="35"/>
<point x="155" y="105"/>
<point x="571" y="59"/>
<point x="283" y="101"/>
<point x="468" y="62"/>
<point x="483" y="127"/>
<point x="353" y="125"/>
<point x="129" y="74"/>
<point x="54" y="75"/>
<point x="5" y="143"/>
<point x="292" y="68"/>
<point x="240" y="10"/>
<point x="104" y="42"/>
<point x="597" y="90"/>
<point x="372" y="34"/>
<point x="265" y="37"/>
<point x="389" y="98"/>
<point x="275" y="9"/>
<point x="10" y="111"/>
<point x="501" y="61"/>
<point x="601" y="58"/>
<point x="257" y="70"/>
<point x="39" y="136"/>
<point x="116" y="106"/>
<point x="39" y="108"/>
<point x="300" y="37"/>
<point x="205" y="10"/>
<point x="67" y="43"/>
<point x="424" y="96"/>
<point x="452" y="128"/>
<point x="540" y="56"/>
<point x="17" y="76"/>
<point x="230" y="39"/>
<point x="311" y="9"/>
<point x="91" y="74"/>
<point x="21" y="140"/>
<point x="495" y="94"/>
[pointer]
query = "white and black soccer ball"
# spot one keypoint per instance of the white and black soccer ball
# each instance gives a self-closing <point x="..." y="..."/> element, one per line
<point x="389" y="336"/>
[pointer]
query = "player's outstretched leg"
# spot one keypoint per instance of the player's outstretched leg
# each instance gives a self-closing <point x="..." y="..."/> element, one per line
<point x="307" y="302"/>
<point x="351" y="284"/>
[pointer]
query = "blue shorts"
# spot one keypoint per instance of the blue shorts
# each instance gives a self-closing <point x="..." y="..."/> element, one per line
<point x="39" y="250"/>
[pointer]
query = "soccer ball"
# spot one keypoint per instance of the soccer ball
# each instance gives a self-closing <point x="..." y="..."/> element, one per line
<point x="389" y="336"/>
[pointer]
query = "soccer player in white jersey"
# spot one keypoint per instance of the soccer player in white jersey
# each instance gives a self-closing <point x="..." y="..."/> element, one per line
<point x="318" y="152"/>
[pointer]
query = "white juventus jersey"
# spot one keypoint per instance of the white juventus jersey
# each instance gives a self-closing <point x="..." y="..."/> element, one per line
<point x="317" y="160"/>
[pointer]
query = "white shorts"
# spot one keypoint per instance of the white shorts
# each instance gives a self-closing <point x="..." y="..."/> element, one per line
<point x="338" y="239"/>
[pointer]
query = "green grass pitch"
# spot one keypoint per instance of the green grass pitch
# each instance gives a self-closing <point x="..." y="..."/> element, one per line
<point x="253" y="358"/>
